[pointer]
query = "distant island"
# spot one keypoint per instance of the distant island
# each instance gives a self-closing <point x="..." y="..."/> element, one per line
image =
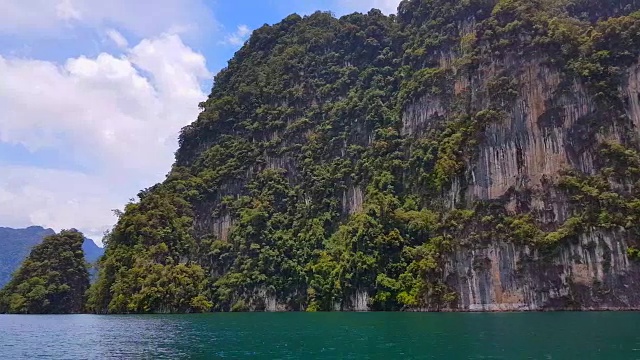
<point x="53" y="279"/>
<point x="17" y="243"/>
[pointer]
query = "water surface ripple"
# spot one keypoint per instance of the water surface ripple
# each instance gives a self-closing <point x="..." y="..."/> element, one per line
<point x="606" y="335"/>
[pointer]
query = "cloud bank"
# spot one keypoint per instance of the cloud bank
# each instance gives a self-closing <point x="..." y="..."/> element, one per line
<point x="117" y="116"/>
<point x="143" y="18"/>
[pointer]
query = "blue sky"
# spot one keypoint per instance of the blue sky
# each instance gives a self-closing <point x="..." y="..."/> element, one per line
<point x="93" y="94"/>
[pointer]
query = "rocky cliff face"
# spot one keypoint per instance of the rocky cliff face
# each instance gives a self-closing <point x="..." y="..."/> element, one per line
<point x="592" y="274"/>
<point x="540" y="139"/>
<point x="553" y="123"/>
<point x="472" y="156"/>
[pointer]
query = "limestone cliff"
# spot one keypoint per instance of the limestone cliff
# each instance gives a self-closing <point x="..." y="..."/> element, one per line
<point x="462" y="155"/>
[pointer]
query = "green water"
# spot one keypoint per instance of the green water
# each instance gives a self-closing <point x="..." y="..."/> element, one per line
<point x="323" y="336"/>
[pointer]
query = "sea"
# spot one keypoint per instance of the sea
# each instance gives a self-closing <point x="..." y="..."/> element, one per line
<point x="375" y="335"/>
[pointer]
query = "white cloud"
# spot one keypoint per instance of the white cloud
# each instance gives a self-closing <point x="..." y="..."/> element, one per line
<point x="117" y="38"/>
<point x="17" y="15"/>
<point x="386" y="6"/>
<point x="239" y="36"/>
<point x="61" y="199"/>
<point x="66" y="11"/>
<point x="140" y="17"/>
<point x="120" y="114"/>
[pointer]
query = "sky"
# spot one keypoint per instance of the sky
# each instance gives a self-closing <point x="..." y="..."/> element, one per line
<point x="93" y="95"/>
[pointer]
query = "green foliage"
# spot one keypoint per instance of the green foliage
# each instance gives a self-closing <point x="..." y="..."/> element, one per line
<point x="633" y="253"/>
<point x="609" y="199"/>
<point x="53" y="279"/>
<point x="157" y="288"/>
<point x="16" y="244"/>
<point x="429" y="81"/>
<point x="570" y="228"/>
<point x="146" y="267"/>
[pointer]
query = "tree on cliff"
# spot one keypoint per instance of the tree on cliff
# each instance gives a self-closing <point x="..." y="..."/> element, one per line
<point x="52" y="280"/>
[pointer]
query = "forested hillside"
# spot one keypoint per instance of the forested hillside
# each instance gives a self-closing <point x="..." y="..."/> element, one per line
<point x="53" y="279"/>
<point x="462" y="155"/>
<point x="16" y="244"/>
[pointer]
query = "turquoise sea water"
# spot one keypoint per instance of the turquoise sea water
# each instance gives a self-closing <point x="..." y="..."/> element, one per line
<point x="323" y="336"/>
